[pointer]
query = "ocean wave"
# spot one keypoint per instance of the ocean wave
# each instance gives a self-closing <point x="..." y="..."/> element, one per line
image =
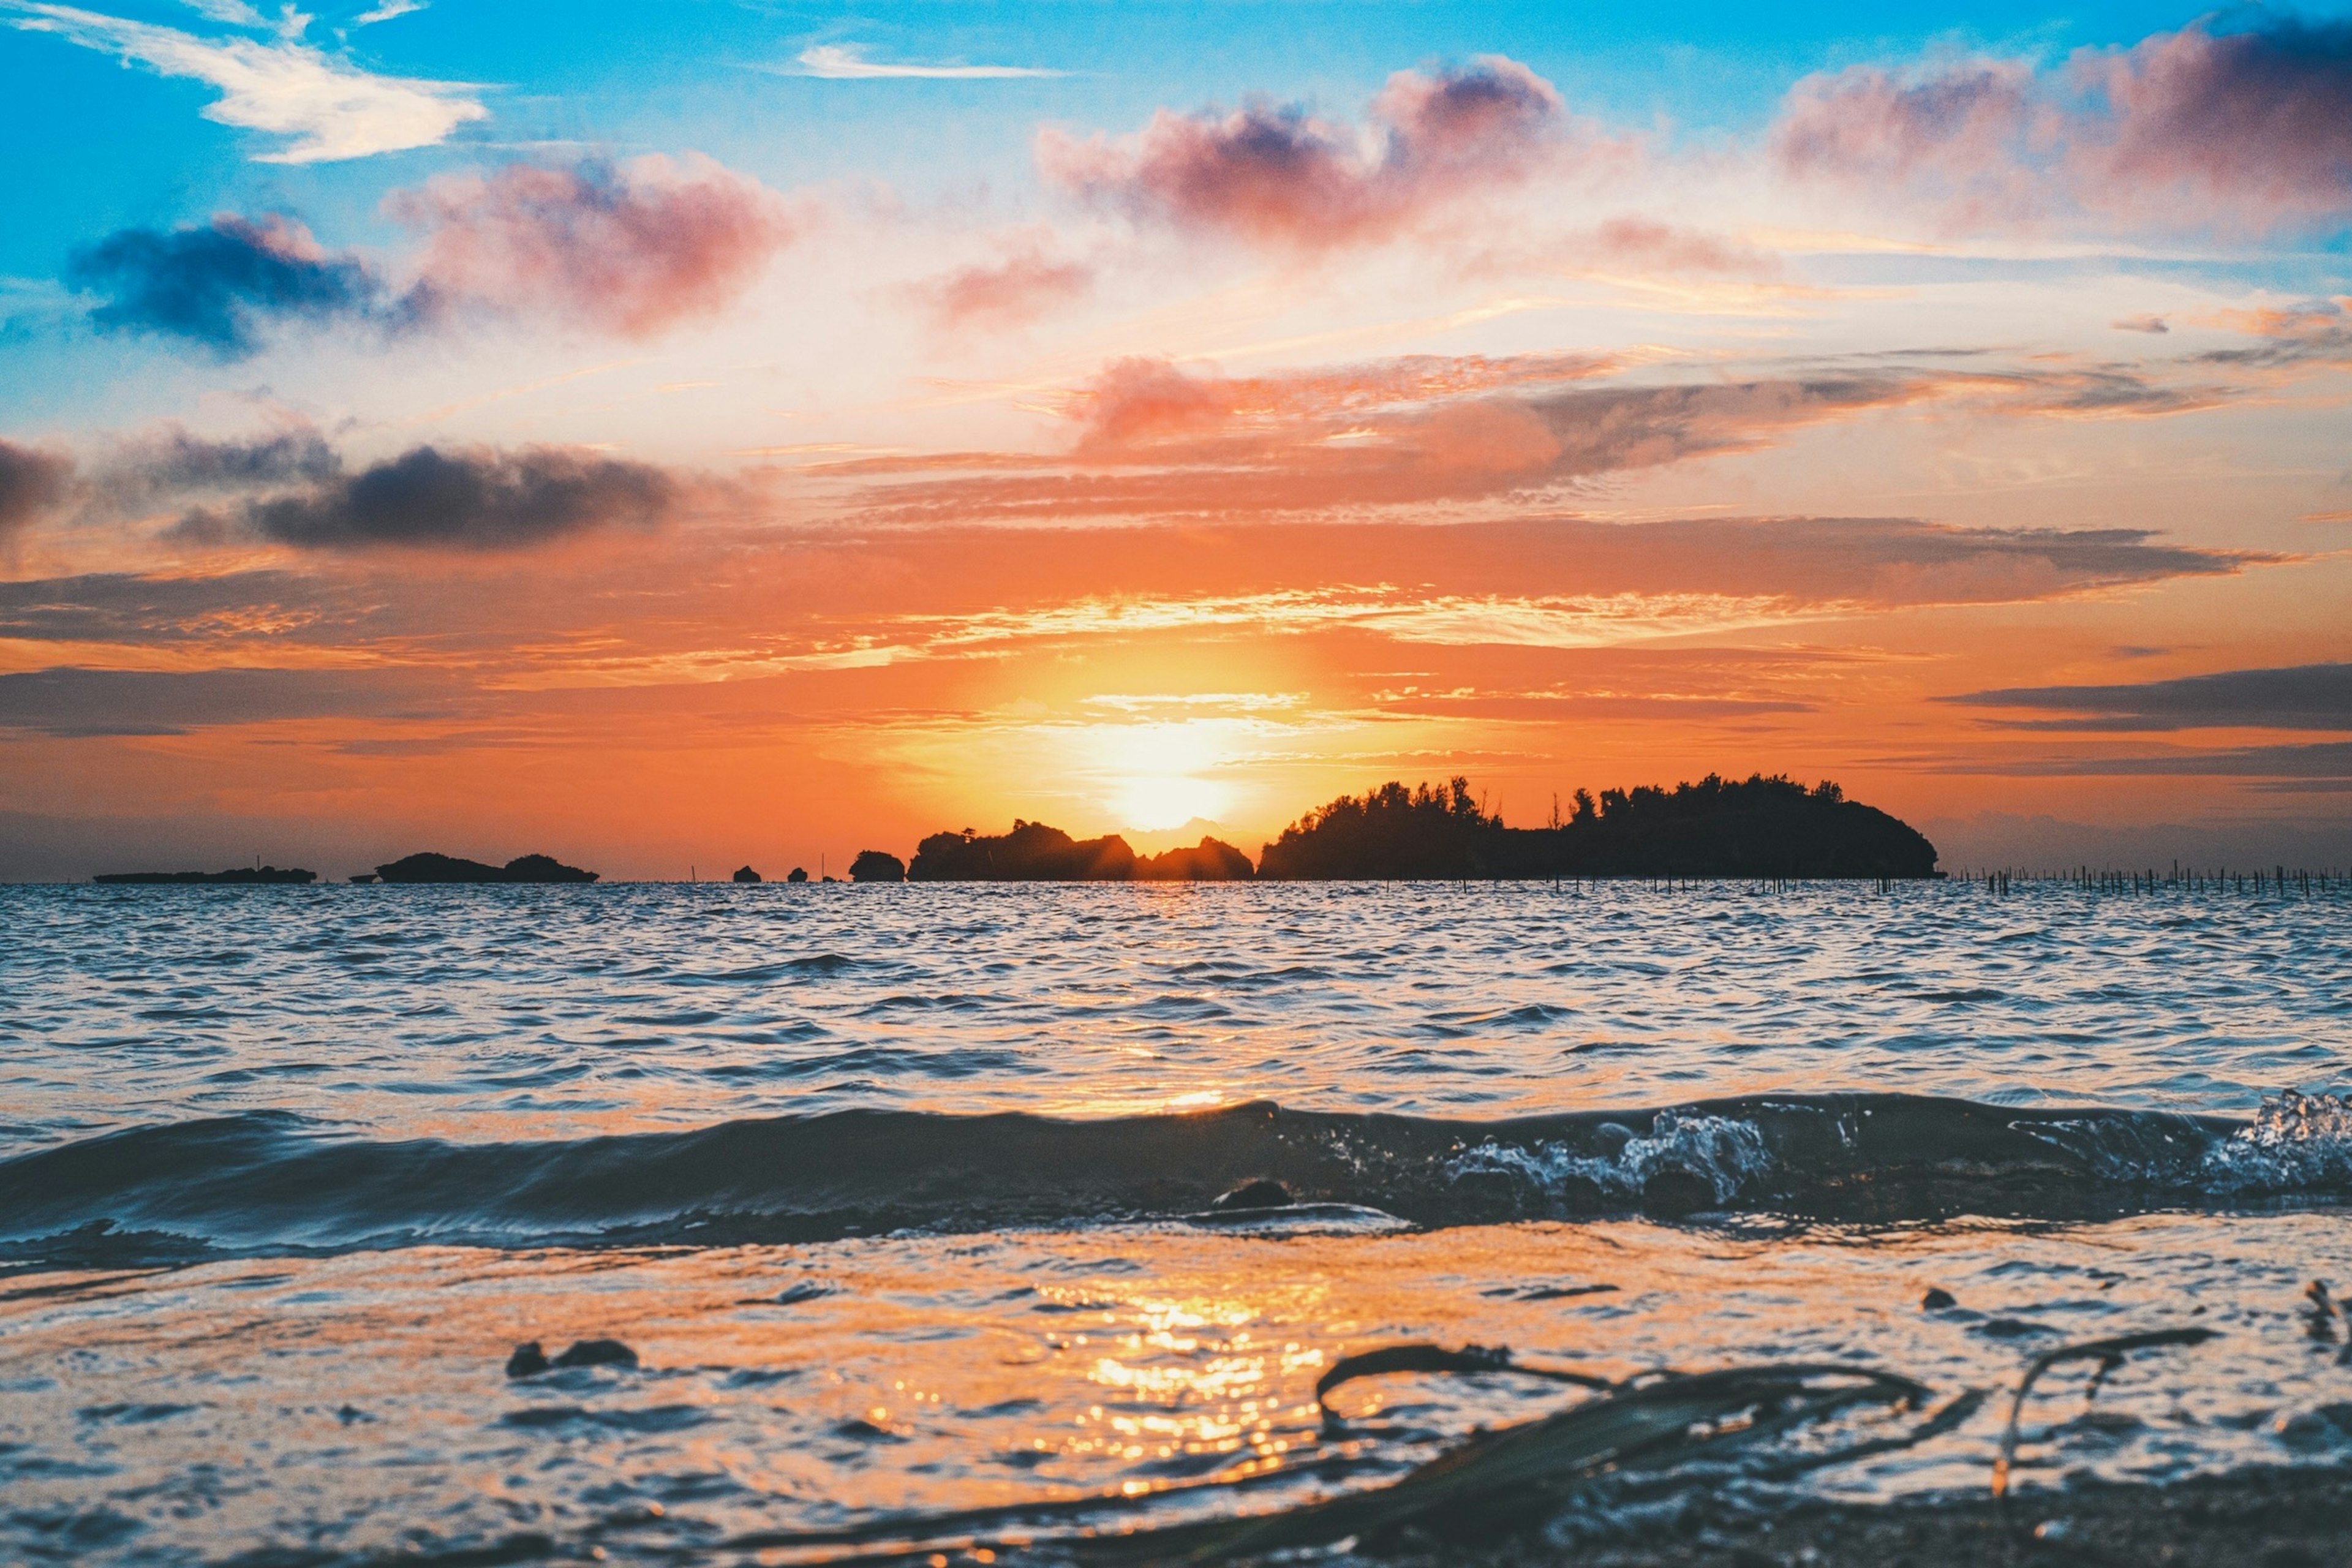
<point x="267" y="1182"/>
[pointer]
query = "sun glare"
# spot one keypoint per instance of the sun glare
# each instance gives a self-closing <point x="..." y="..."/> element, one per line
<point x="1153" y="776"/>
<point x="1152" y="804"/>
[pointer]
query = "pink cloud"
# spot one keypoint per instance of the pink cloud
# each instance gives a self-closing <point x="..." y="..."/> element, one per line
<point x="631" y="249"/>
<point x="1152" y="439"/>
<point x="1009" y="293"/>
<point x="2246" y="132"/>
<point x="1281" y="176"/>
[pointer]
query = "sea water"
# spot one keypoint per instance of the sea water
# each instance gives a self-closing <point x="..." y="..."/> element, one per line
<point x="906" y="1197"/>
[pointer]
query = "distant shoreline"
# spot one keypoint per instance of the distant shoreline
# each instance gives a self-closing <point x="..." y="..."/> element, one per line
<point x="1760" y="829"/>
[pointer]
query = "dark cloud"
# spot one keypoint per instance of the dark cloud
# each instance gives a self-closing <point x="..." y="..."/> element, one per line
<point x="71" y="703"/>
<point x="31" y="482"/>
<point x="428" y="498"/>
<point x="222" y="284"/>
<point x="2301" y="697"/>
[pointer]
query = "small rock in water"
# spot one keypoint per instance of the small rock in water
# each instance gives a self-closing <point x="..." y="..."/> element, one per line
<point x="530" y="1360"/>
<point x="1261" y="1194"/>
<point x="1938" y="1299"/>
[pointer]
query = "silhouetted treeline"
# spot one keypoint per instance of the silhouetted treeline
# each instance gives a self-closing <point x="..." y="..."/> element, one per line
<point x="1752" y="827"/>
<point x="269" y="876"/>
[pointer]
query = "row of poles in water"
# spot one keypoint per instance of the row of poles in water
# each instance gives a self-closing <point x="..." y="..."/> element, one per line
<point x="2277" y="882"/>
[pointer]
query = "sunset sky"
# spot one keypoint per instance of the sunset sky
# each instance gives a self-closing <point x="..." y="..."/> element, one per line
<point x="690" y="434"/>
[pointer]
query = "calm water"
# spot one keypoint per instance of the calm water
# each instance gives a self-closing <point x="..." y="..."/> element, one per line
<point x="901" y="1195"/>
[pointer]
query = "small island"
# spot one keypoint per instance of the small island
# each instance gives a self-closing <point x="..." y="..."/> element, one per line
<point x="431" y="867"/>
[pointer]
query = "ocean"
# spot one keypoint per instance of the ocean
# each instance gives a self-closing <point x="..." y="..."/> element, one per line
<point x="905" y="1198"/>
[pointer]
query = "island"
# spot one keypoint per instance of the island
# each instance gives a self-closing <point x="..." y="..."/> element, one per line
<point x="876" y="865"/>
<point x="236" y="875"/>
<point x="1760" y="828"/>
<point x="1756" y="827"/>
<point x="431" y="867"/>
<point x="1032" y="852"/>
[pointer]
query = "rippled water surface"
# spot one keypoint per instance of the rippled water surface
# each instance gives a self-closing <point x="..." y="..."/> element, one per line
<point x="903" y="1196"/>
<point x="529" y="1013"/>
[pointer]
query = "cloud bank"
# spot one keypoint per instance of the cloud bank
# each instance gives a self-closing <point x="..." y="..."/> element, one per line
<point x="2299" y="697"/>
<point x="2248" y="132"/>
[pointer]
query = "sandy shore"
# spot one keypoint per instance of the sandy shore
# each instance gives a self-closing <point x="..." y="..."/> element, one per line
<point x="2254" y="1518"/>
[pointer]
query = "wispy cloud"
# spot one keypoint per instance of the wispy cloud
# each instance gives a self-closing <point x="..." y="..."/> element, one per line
<point x="387" y="11"/>
<point x="327" y="109"/>
<point x="847" y="62"/>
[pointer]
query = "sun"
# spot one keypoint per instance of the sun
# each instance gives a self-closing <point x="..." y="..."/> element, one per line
<point x="1155" y="776"/>
<point x="1153" y="803"/>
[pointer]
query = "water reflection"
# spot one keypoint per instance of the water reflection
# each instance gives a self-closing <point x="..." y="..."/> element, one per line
<point x="358" y="1401"/>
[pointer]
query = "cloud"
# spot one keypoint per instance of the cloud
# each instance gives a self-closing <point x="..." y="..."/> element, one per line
<point x="2317" y="331"/>
<point x="847" y="62"/>
<point x="2300" y="697"/>
<point x="388" y="11"/>
<point x="170" y="463"/>
<point x="2156" y="325"/>
<point x="430" y="500"/>
<point x="630" y="249"/>
<point x="212" y="610"/>
<point x="2323" y="767"/>
<point x="1009" y="293"/>
<point x="1154" y="439"/>
<point x="79" y="704"/>
<point x="221" y="284"/>
<point x="2247" y="131"/>
<point x="328" y="110"/>
<point x="32" y="482"/>
<point x="1280" y="176"/>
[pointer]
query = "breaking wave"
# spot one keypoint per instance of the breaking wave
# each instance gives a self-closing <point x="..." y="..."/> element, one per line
<point x="267" y="1183"/>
